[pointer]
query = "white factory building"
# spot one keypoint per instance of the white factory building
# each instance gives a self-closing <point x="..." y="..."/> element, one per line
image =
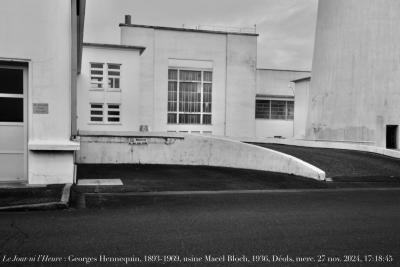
<point x="157" y="80"/>
<point x="163" y="79"/>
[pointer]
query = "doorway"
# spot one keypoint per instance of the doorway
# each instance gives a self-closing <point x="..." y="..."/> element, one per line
<point x="391" y="136"/>
<point x="13" y="118"/>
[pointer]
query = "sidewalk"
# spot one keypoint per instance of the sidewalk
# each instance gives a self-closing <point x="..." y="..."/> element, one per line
<point x="20" y="197"/>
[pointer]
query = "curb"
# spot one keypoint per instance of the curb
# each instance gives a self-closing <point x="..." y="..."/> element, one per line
<point x="101" y="200"/>
<point x="62" y="204"/>
<point x="255" y="191"/>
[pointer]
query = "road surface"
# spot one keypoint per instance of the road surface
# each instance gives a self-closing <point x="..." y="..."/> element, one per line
<point x="277" y="226"/>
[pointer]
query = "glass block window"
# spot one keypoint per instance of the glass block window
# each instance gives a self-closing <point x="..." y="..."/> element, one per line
<point x="189" y="96"/>
<point x="273" y="109"/>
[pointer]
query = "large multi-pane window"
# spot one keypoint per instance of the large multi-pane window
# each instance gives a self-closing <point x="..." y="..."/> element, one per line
<point x="101" y="72"/>
<point x="274" y="109"/>
<point x="189" y="96"/>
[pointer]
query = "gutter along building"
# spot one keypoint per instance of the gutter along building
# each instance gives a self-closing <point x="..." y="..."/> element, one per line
<point x="39" y="61"/>
<point x="164" y="79"/>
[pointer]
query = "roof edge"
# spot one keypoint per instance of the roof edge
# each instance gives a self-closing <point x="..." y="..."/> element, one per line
<point x="116" y="46"/>
<point x="284" y="70"/>
<point x="186" y="29"/>
<point x="301" y="79"/>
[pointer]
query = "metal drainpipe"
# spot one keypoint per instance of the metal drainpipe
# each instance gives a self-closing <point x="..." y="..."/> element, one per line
<point x="226" y="81"/>
<point x="294" y="106"/>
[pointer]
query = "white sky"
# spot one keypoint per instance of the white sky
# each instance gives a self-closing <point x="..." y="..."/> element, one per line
<point x="286" y="27"/>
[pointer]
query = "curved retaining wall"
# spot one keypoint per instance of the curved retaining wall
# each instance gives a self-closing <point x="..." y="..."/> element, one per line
<point x="189" y="150"/>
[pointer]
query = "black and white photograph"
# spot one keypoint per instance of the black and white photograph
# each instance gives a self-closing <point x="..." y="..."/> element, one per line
<point x="200" y="133"/>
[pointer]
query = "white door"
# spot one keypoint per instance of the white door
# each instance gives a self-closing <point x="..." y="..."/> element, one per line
<point x="13" y="81"/>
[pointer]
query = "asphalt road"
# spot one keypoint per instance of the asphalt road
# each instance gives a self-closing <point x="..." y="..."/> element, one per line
<point x="345" y="165"/>
<point x="325" y="225"/>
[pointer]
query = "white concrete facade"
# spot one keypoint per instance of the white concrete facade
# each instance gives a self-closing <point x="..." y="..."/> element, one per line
<point x="236" y="83"/>
<point x="127" y="96"/>
<point x="231" y="58"/>
<point x="149" y="58"/>
<point x="354" y="93"/>
<point x="275" y="84"/>
<point x="38" y="35"/>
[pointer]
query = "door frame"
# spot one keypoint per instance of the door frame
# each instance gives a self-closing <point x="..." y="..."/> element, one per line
<point x="24" y="66"/>
<point x="395" y="132"/>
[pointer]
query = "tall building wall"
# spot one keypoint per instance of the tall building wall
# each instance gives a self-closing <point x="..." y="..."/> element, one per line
<point x="38" y="36"/>
<point x="355" y="86"/>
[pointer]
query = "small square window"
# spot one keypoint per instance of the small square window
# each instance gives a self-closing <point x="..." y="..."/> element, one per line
<point x="96" y="75"/>
<point x="113" y="113"/>
<point x="96" y="112"/>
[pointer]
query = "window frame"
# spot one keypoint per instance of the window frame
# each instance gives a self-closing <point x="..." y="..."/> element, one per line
<point x="108" y="109"/>
<point x="114" y="77"/>
<point x="106" y="76"/>
<point x="271" y="100"/>
<point x="18" y="95"/>
<point x="96" y="76"/>
<point x="202" y="82"/>
<point x="105" y="116"/>
<point x="96" y="115"/>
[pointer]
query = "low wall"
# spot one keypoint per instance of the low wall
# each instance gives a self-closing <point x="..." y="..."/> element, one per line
<point x="188" y="150"/>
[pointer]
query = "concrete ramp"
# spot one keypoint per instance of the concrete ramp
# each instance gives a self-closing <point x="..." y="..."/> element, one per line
<point x="162" y="148"/>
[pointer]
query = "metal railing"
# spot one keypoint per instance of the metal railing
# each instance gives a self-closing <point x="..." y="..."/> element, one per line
<point x="251" y="30"/>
